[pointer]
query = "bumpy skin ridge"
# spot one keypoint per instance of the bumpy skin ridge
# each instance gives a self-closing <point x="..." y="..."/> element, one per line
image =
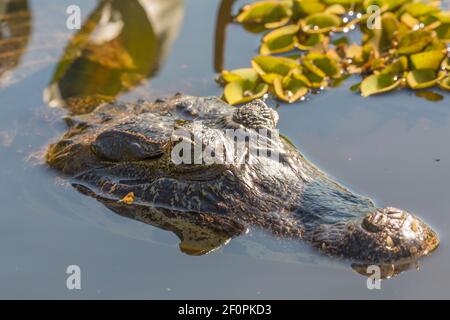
<point x="121" y="148"/>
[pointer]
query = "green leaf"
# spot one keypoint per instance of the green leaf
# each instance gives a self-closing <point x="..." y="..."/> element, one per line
<point x="303" y="8"/>
<point x="289" y="89"/>
<point x="240" y="74"/>
<point x="263" y="15"/>
<point x="427" y="59"/>
<point x="418" y="9"/>
<point x="443" y="32"/>
<point x="315" y="80"/>
<point x="423" y="78"/>
<point x="445" y="83"/>
<point x="436" y="44"/>
<point x="329" y="67"/>
<point x="321" y="22"/>
<point x="389" y="4"/>
<point x="337" y="82"/>
<point x="409" y="20"/>
<point x="280" y="40"/>
<point x="396" y="68"/>
<point x="242" y="91"/>
<point x="442" y="16"/>
<point x="389" y="25"/>
<point x="297" y="74"/>
<point x="336" y="9"/>
<point x="413" y="42"/>
<point x="446" y="64"/>
<point x="269" y="67"/>
<point x="309" y="64"/>
<point x="343" y="2"/>
<point x="307" y="41"/>
<point x="378" y="83"/>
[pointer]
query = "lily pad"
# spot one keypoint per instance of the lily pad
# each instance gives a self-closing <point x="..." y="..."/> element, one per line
<point x="442" y="16"/>
<point x="316" y="81"/>
<point x="427" y="59"/>
<point x="418" y="9"/>
<point x="423" y="78"/>
<point x="336" y="9"/>
<point x="396" y="68"/>
<point x="307" y="41"/>
<point x="443" y="32"/>
<point x="269" y="67"/>
<point x="289" y="89"/>
<point x="383" y="39"/>
<point x="346" y="3"/>
<point x="389" y="24"/>
<point x="249" y="74"/>
<point x="297" y="74"/>
<point x="388" y="4"/>
<point x="263" y="15"/>
<point x="329" y="67"/>
<point x="446" y="64"/>
<point x="242" y="91"/>
<point x="321" y="22"/>
<point x="378" y="83"/>
<point x="337" y="82"/>
<point x="409" y="20"/>
<point x="280" y="40"/>
<point x="445" y="83"/>
<point x="309" y="64"/>
<point x="413" y="42"/>
<point x="303" y="8"/>
<point x="436" y="44"/>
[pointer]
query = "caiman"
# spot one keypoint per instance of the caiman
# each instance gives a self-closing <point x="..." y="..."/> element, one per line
<point x="123" y="155"/>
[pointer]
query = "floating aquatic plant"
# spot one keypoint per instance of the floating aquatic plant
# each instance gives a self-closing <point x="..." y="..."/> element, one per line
<point x="304" y="47"/>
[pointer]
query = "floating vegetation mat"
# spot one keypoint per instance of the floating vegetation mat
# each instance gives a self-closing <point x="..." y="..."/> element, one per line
<point x="305" y="47"/>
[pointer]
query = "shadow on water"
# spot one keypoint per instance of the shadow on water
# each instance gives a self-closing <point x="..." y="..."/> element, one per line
<point x="121" y="44"/>
<point x="224" y="17"/>
<point x="15" y="32"/>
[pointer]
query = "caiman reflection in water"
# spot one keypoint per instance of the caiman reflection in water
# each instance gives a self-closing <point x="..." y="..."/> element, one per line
<point x="15" y="31"/>
<point x="121" y="44"/>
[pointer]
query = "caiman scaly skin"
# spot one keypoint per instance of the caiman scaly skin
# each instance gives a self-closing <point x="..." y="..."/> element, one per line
<point x="121" y="148"/>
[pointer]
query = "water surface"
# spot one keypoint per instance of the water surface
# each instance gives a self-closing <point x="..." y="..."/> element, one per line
<point x="394" y="148"/>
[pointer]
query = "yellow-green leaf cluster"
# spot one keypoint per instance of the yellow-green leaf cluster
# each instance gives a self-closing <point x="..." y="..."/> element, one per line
<point x="305" y="47"/>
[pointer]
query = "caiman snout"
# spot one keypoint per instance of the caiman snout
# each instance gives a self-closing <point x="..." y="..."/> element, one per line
<point x="392" y="234"/>
<point x="383" y="236"/>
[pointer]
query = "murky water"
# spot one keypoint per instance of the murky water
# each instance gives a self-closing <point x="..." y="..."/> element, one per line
<point x="394" y="148"/>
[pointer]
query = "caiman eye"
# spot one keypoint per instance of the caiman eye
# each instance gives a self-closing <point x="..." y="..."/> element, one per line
<point x="119" y="146"/>
<point x="374" y="222"/>
<point x="256" y="114"/>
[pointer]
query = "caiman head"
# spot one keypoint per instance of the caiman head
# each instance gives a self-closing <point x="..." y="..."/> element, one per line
<point x="120" y="149"/>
